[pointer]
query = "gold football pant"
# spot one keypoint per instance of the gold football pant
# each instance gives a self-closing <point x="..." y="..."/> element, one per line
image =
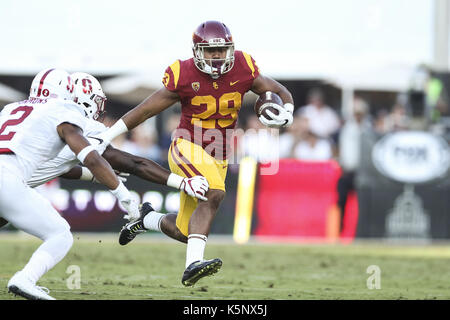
<point x="187" y="160"/>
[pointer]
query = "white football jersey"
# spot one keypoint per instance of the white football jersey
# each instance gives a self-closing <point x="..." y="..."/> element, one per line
<point x="28" y="129"/>
<point x="66" y="159"/>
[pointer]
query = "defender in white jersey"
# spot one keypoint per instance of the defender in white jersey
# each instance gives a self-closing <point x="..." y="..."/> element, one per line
<point x="31" y="133"/>
<point x="66" y="165"/>
<point x="89" y="95"/>
<point x="66" y="159"/>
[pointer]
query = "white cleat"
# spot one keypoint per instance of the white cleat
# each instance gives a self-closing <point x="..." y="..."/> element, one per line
<point x="24" y="287"/>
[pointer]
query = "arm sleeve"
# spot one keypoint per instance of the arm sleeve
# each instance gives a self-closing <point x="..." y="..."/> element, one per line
<point x="172" y="76"/>
<point x="70" y="113"/>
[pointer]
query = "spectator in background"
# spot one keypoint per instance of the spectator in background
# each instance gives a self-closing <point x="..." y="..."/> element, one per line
<point x="143" y="142"/>
<point x="309" y="146"/>
<point x="290" y="137"/>
<point x="169" y="127"/>
<point x="380" y="122"/>
<point x="258" y="141"/>
<point x="324" y="122"/>
<point x="350" y="151"/>
<point x="397" y="119"/>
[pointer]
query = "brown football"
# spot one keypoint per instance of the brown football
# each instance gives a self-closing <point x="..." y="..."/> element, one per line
<point x="267" y="97"/>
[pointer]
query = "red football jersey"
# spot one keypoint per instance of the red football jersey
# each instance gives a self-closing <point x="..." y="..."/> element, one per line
<point x="210" y="107"/>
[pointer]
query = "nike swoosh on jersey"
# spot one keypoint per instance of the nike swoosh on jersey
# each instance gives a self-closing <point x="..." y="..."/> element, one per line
<point x="100" y="141"/>
<point x="232" y="83"/>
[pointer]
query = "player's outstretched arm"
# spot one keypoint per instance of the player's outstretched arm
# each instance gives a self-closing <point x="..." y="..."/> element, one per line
<point x="151" y="171"/>
<point x="87" y="155"/>
<point x="99" y="167"/>
<point x="263" y="83"/>
<point x="152" y="105"/>
<point x="143" y="168"/>
<point x="83" y="173"/>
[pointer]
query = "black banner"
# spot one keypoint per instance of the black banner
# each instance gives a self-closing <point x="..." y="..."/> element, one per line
<point x="91" y="207"/>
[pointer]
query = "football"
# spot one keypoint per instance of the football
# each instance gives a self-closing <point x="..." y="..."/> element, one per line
<point x="267" y="98"/>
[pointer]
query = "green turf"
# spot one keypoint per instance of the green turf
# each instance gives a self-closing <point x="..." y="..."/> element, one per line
<point x="151" y="268"/>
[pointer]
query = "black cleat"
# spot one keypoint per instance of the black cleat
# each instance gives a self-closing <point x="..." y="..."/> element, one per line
<point x="132" y="229"/>
<point x="199" y="269"/>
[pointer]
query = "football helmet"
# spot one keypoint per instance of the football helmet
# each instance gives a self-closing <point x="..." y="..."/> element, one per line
<point x="52" y="83"/>
<point x="89" y="94"/>
<point x="213" y="34"/>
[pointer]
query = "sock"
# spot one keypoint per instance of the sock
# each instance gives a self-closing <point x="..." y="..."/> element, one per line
<point x="49" y="253"/>
<point x="152" y="221"/>
<point x="196" y="244"/>
<point x="39" y="263"/>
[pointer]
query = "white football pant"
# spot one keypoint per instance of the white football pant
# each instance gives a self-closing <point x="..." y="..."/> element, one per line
<point x="29" y="211"/>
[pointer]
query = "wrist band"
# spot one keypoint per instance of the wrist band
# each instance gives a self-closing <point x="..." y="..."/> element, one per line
<point x="121" y="192"/>
<point x="86" y="174"/>
<point x="116" y="130"/>
<point x="83" y="153"/>
<point x="174" y="181"/>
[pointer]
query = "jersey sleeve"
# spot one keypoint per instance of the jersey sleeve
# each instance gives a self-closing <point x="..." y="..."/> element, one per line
<point x="250" y="64"/>
<point x="172" y="76"/>
<point x="92" y="129"/>
<point x="71" y="113"/>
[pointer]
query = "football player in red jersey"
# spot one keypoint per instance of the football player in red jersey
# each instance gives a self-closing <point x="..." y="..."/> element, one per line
<point x="210" y="87"/>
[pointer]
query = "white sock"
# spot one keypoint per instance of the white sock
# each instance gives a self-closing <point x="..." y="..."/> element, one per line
<point x="196" y="244"/>
<point x="38" y="265"/>
<point x="49" y="253"/>
<point x="152" y="221"/>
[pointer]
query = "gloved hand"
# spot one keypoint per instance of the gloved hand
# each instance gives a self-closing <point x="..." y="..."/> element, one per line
<point x="283" y="119"/>
<point x="130" y="205"/>
<point x="196" y="186"/>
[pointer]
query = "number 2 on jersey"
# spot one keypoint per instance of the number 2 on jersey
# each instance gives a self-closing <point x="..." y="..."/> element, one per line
<point x="13" y="122"/>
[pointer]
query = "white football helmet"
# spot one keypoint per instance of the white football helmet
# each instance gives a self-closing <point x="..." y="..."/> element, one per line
<point x="88" y="94"/>
<point x="52" y="83"/>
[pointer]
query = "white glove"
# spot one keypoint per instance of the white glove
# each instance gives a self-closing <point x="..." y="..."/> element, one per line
<point x="283" y="119"/>
<point x="196" y="186"/>
<point x="131" y="205"/>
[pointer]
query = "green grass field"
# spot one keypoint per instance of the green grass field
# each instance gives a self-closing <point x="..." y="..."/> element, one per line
<point x="151" y="268"/>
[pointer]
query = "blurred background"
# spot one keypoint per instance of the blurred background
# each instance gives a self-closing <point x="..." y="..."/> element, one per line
<point x="367" y="154"/>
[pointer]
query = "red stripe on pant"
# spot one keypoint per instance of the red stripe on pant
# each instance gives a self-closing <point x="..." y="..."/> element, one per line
<point x="186" y="161"/>
<point x="179" y="164"/>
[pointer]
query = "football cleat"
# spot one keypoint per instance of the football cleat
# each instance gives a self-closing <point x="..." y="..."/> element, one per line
<point x="132" y="229"/>
<point x="20" y="285"/>
<point x="199" y="269"/>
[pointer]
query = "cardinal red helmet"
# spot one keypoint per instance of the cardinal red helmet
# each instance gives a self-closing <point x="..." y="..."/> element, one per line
<point x="213" y="34"/>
